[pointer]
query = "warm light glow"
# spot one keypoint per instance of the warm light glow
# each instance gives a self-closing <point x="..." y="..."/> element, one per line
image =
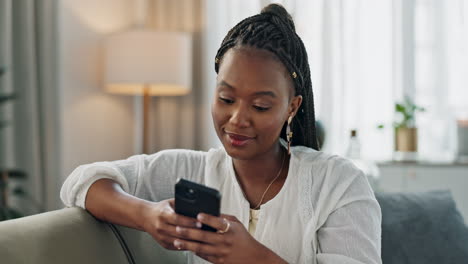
<point x="153" y="90"/>
<point x="144" y="59"/>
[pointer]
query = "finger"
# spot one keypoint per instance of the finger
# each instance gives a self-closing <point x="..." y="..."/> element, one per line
<point x="197" y="247"/>
<point x="216" y="222"/>
<point x="166" y="241"/>
<point x="173" y="218"/>
<point x="182" y="220"/>
<point x="230" y="217"/>
<point x="167" y="229"/>
<point x="172" y="202"/>
<point x="173" y="232"/>
<point x="199" y="235"/>
<point x="170" y="231"/>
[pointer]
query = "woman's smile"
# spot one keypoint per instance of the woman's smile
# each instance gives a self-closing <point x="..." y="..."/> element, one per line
<point x="238" y="140"/>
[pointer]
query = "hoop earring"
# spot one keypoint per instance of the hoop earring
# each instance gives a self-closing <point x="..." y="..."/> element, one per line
<point x="289" y="134"/>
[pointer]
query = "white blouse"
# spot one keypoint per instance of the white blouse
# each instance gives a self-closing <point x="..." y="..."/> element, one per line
<point x="325" y="212"/>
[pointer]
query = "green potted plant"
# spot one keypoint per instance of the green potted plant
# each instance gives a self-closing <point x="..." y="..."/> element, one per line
<point x="406" y="132"/>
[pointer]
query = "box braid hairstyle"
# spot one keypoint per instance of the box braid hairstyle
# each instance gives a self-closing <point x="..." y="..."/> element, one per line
<point x="273" y="30"/>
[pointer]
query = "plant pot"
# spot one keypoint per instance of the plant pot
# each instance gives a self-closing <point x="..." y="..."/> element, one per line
<point x="406" y="139"/>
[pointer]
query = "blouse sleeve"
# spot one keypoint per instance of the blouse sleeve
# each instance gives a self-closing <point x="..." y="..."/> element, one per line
<point x="351" y="233"/>
<point x="149" y="177"/>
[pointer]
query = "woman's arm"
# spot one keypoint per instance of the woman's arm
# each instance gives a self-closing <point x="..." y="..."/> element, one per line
<point x="107" y="201"/>
<point x="149" y="177"/>
<point x="351" y="233"/>
<point x="135" y="192"/>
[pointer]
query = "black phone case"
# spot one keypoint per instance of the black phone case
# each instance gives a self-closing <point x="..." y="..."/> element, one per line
<point x="192" y="198"/>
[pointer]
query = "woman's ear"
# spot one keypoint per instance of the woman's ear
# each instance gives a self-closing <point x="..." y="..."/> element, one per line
<point x="294" y="105"/>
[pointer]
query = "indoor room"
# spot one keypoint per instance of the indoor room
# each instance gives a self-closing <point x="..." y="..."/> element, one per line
<point x="309" y="131"/>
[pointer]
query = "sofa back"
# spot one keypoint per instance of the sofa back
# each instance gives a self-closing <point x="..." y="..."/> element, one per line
<point x="72" y="236"/>
<point x="143" y="248"/>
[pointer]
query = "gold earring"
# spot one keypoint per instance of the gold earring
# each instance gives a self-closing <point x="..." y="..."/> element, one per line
<point x="289" y="134"/>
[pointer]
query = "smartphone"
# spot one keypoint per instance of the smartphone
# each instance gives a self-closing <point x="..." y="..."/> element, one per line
<point x="192" y="198"/>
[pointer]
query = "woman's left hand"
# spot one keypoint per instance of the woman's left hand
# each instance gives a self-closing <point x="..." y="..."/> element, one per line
<point x="236" y="245"/>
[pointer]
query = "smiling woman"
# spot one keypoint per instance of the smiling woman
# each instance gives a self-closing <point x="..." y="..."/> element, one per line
<point x="250" y="108"/>
<point x="283" y="200"/>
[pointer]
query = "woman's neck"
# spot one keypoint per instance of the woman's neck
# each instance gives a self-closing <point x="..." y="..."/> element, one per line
<point x="262" y="170"/>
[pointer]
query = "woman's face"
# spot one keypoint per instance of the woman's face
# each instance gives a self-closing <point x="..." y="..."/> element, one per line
<point x="253" y="99"/>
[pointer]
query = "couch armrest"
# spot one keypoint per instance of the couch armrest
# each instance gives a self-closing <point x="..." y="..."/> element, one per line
<point x="68" y="235"/>
<point x="143" y="248"/>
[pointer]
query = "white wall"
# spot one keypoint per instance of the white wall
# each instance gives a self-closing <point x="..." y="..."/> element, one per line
<point x="95" y="126"/>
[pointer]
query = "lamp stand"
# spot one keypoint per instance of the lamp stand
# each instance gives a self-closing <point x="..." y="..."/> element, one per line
<point x="146" y="109"/>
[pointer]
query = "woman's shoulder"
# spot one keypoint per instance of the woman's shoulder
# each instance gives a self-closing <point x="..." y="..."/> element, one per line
<point x="177" y="153"/>
<point x="328" y="182"/>
<point x="309" y="156"/>
<point x="322" y="166"/>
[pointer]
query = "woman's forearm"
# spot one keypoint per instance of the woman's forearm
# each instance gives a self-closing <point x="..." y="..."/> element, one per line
<point x="271" y="257"/>
<point x="107" y="201"/>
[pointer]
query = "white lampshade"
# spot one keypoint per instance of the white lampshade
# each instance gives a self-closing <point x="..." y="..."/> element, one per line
<point x="159" y="62"/>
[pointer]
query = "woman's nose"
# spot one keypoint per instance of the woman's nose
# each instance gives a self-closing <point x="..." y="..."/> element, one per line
<point x="240" y="117"/>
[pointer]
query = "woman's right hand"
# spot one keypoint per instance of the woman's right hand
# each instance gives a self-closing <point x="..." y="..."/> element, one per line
<point x="160" y="221"/>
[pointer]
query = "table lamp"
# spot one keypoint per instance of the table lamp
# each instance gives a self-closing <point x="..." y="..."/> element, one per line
<point x="148" y="63"/>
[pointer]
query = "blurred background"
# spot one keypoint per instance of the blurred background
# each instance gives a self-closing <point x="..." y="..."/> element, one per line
<point x="85" y="81"/>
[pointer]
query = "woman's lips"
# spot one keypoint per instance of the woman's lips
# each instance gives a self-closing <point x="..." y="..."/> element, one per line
<point x="238" y="140"/>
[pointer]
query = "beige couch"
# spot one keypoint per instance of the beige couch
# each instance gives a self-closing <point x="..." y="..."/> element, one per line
<point x="72" y="235"/>
<point x="417" y="228"/>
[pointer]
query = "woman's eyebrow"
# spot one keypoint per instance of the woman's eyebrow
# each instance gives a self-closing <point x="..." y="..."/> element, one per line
<point x="223" y="83"/>
<point x="259" y="93"/>
<point x="267" y="93"/>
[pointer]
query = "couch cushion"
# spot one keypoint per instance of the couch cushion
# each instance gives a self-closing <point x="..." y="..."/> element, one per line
<point x="144" y="249"/>
<point x="422" y="228"/>
<point x="69" y="236"/>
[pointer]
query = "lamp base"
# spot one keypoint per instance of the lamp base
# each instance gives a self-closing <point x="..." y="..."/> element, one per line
<point x="146" y="108"/>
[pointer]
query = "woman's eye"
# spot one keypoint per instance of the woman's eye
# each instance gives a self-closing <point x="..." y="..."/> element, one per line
<point x="261" y="109"/>
<point x="227" y="101"/>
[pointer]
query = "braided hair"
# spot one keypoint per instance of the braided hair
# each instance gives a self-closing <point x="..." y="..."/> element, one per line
<point x="273" y="30"/>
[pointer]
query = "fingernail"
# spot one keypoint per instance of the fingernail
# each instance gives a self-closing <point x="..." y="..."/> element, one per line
<point x="177" y="243"/>
<point x="198" y="224"/>
<point x="178" y="229"/>
<point x="200" y="217"/>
